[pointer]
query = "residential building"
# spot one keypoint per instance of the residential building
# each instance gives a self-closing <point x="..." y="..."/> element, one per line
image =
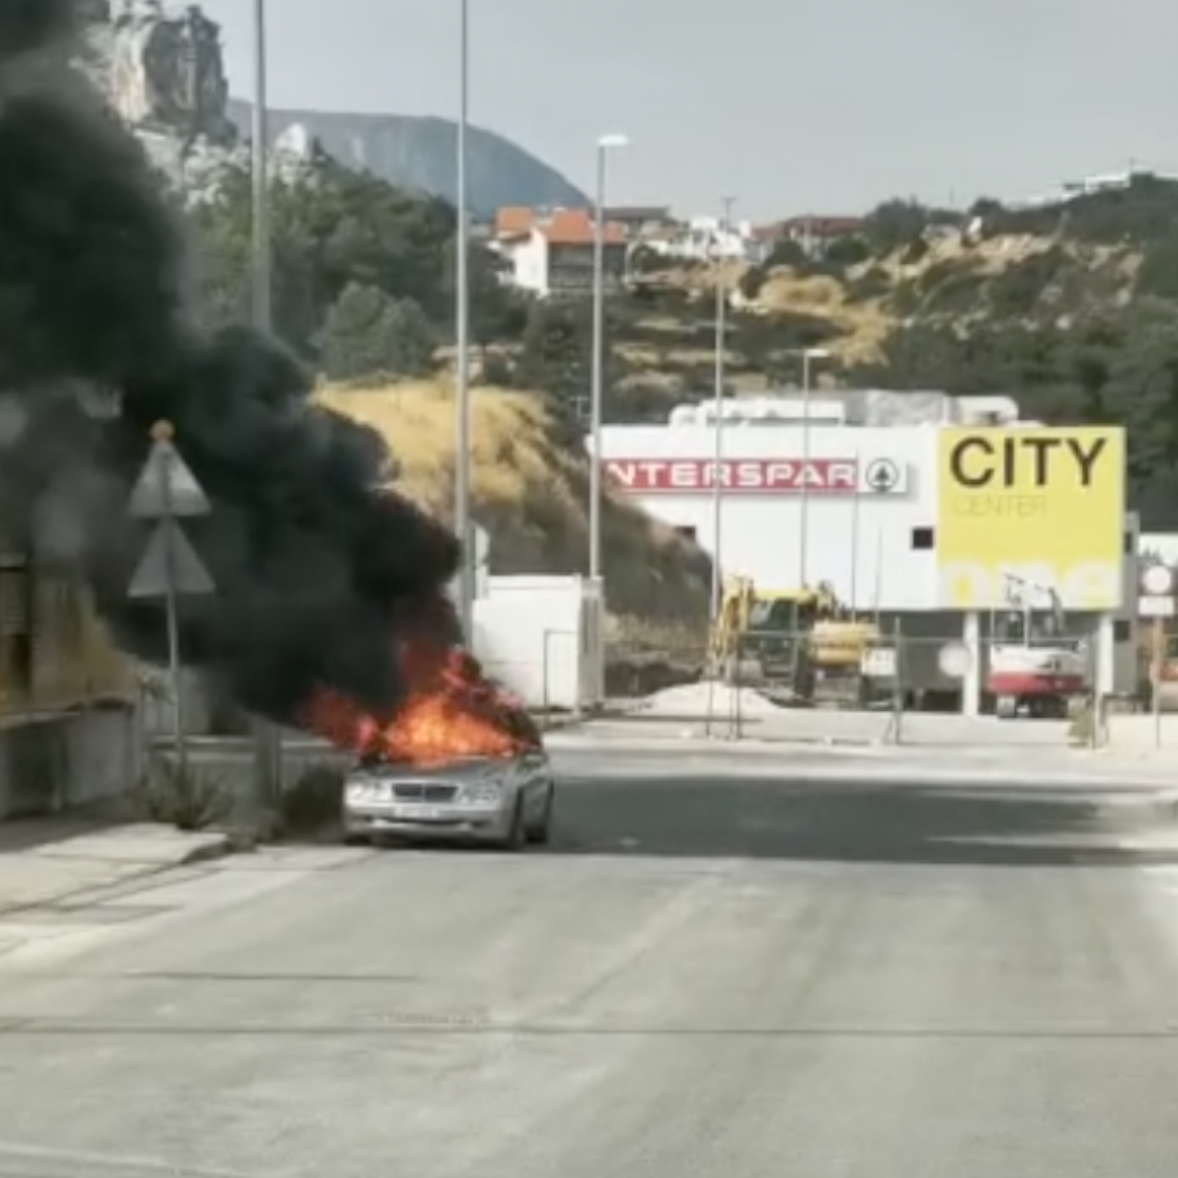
<point x="641" y="221"/>
<point x="1071" y="190"/>
<point x="815" y="233"/>
<point x="551" y="253"/>
<point x="705" y="238"/>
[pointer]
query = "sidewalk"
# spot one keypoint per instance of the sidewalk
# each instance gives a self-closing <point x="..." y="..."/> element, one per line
<point x="47" y="861"/>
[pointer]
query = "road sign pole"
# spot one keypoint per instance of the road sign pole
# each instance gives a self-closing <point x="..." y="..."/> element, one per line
<point x="169" y="566"/>
<point x="1159" y="641"/>
<point x="175" y="678"/>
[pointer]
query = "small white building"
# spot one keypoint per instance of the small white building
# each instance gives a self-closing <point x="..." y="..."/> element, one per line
<point x="706" y="239"/>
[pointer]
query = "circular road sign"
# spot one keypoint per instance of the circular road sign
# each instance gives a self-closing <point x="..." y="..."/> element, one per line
<point x="954" y="660"/>
<point x="1157" y="580"/>
<point x="882" y="475"/>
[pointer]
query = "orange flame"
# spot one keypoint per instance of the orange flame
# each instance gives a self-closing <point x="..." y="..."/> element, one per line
<point x="453" y="711"/>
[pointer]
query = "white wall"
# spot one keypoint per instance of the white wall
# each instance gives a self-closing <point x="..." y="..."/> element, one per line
<point x="529" y="264"/>
<point x="866" y="552"/>
<point x="50" y="763"/>
<point x="542" y="638"/>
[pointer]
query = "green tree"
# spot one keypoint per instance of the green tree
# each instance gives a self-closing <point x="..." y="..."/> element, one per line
<point x="895" y="224"/>
<point x="369" y="335"/>
<point x="330" y="228"/>
<point x="851" y="250"/>
<point x="498" y="311"/>
<point x="556" y="356"/>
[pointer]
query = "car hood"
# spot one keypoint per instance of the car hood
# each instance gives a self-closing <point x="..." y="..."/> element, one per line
<point x="456" y="772"/>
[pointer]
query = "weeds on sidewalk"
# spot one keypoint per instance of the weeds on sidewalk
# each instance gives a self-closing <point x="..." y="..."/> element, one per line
<point x="179" y="796"/>
<point x="312" y="803"/>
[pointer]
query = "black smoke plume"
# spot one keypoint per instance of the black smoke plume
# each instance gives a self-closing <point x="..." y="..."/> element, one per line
<point x="315" y="568"/>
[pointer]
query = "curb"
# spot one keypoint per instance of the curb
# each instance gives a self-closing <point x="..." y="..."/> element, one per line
<point x="218" y="848"/>
<point x="1168" y="804"/>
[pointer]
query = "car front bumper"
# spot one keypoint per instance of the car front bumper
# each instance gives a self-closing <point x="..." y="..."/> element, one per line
<point x="401" y="820"/>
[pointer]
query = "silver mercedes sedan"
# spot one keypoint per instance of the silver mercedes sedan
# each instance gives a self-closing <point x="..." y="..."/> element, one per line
<point x="506" y="802"/>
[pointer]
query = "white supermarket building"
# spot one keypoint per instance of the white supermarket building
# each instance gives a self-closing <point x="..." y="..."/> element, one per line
<point x="852" y="489"/>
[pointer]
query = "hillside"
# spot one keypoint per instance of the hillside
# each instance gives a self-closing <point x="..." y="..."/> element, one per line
<point x="421" y="152"/>
<point x="530" y="489"/>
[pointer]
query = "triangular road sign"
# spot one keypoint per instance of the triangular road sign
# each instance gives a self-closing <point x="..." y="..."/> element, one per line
<point x="166" y="486"/>
<point x="169" y="564"/>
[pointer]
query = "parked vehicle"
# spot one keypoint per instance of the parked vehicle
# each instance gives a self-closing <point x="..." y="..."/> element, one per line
<point x="503" y="801"/>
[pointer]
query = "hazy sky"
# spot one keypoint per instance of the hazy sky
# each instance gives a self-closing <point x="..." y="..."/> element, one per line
<point x="795" y="106"/>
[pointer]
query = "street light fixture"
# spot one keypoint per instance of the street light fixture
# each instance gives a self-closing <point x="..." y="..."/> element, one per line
<point x="462" y="399"/>
<point x="809" y="355"/>
<point x="605" y="145"/>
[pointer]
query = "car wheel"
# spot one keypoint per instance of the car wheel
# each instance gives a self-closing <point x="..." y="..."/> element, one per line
<point x="517" y="835"/>
<point x="542" y="831"/>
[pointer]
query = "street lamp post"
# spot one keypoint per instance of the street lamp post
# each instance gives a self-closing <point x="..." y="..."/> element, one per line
<point x="260" y="285"/>
<point x="605" y="144"/>
<point x="808" y="356"/>
<point x="267" y="775"/>
<point x="718" y="413"/>
<point x="462" y="399"/>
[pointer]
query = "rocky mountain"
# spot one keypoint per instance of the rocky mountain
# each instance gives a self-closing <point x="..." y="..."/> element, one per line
<point x="420" y="152"/>
<point x="163" y="69"/>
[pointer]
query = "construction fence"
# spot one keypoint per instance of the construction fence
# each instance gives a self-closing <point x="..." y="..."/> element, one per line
<point x="875" y="683"/>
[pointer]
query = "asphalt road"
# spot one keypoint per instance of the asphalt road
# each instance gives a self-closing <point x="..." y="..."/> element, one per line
<point x="712" y="972"/>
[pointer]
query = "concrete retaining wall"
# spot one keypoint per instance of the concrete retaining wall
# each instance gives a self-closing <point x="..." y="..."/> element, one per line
<point x="49" y="763"/>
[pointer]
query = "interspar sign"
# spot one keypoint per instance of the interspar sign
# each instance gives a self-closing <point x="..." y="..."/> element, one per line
<point x="767" y="476"/>
<point x="1044" y="505"/>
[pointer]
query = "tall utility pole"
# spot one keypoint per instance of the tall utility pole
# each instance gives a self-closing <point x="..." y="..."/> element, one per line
<point x="267" y="778"/>
<point x="260" y="285"/>
<point x="808" y="356"/>
<point x="718" y="411"/>
<point x="462" y="402"/>
<point x="597" y="394"/>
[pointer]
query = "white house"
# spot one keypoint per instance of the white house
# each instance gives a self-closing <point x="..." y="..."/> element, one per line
<point x="552" y="254"/>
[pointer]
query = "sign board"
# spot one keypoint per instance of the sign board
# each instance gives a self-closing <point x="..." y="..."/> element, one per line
<point x="1157" y="580"/>
<point x="1155" y="607"/>
<point x="758" y="476"/>
<point x="878" y="663"/>
<point x="169" y="565"/>
<point x="954" y="660"/>
<point x="166" y="487"/>
<point x="1039" y="504"/>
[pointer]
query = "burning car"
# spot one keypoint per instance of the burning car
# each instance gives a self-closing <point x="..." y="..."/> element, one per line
<point x="460" y="758"/>
<point x="505" y="801"/>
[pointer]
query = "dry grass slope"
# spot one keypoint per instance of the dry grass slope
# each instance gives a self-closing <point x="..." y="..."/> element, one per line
<point x="530" y="491"/>
<point x="862" y="324"/>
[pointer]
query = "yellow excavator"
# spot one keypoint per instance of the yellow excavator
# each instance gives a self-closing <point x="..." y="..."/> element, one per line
<point x="796" y="644"/>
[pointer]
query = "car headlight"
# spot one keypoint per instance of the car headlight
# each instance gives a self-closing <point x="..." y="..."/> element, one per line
<point x="482" y="793"/>
<point x="365" y="791"/>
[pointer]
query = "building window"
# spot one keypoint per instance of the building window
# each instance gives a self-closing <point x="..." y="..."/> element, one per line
<point x="922" y="539"/>
<point x="1122" y="630"/>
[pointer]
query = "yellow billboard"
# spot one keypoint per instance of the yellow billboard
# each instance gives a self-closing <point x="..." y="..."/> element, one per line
<point x="1034" y="509"/>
